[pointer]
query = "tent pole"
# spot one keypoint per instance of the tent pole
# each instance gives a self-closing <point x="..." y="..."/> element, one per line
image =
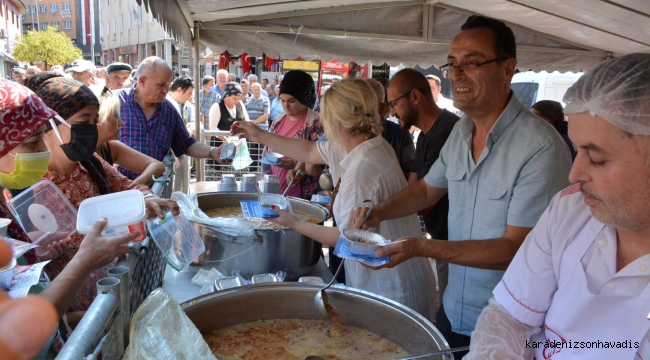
<point x="197" y="95"/>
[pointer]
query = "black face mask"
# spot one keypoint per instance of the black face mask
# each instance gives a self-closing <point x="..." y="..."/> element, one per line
<point x="83" y="141"/>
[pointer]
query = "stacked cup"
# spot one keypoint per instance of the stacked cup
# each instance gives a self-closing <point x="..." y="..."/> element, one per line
<point x="228" y="183"/>
<point x="249" y="183"/>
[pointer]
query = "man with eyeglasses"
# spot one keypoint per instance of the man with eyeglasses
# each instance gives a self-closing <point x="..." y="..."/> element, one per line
<point x="500" y="168"/>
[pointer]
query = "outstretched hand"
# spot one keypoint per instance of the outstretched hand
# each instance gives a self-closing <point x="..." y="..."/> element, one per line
<point x="250" y="130"/>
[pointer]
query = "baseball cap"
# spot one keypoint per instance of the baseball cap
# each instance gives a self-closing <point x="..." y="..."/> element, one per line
<point x="82" y="65"/>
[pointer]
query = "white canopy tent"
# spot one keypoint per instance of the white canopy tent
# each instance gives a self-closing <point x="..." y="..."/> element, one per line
<point x="563" y="35"/>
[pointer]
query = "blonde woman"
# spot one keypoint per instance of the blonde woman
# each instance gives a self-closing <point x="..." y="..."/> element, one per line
<point x="116" y="152"/>
<point x="364" y="166"/>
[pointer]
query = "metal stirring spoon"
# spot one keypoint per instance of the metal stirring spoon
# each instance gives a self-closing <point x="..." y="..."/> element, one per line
<point x="320" y="300"/>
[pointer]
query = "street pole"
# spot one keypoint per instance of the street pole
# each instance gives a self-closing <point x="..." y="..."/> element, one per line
<point x="92" y="31"/>
<point x="37" y="19"/>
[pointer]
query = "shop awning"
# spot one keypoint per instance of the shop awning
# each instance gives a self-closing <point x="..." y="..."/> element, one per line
<point x="551" y="34"/>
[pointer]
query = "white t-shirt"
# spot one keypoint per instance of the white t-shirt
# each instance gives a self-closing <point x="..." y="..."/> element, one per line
<point x="371" y="171"/>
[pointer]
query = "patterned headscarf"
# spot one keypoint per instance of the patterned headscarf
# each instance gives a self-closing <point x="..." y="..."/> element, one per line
<point x="300" y="85"/>
<point x="21" y="113"/>
<point x="232" y="89"/>
<point x="65" y="96"/>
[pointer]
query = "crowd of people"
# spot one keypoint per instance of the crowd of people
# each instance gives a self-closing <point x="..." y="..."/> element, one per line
<point x="537" y="226"/>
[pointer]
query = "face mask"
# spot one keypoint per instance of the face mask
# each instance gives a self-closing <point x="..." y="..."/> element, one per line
<point x="83" y="140"/>
<point x="29" y="169"/>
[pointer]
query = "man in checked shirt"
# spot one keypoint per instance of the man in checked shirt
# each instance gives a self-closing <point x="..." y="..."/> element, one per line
<point x="152" y="125"/>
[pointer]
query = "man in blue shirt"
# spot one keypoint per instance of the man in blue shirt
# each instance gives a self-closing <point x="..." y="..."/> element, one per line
<point x="258" y="107"/>
<point x="222" y="80"/>
<point x="206" y="99"/>
<point x="500" y="168"/>
<point x="276" y="105"/>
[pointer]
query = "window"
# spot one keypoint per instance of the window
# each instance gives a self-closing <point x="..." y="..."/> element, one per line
<point x="66" y="6"/>
<point x="151" y="18"/>
<point x="32" y="9"/>
<point x="122" y="22"/>
<point x="67" y="25"/>
<point x="54" y="8"/>
<point x="43" y="8"/>
<point x="140" y="17"/>
<point x="56" y="25"/>
<point x="131" y="19"/>
<point x="13" y="17"/>
<point x="114" y="25"/>
<point x="43" y="26"/>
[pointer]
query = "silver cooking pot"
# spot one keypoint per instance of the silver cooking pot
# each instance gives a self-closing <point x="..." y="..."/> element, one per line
<point x="357" y="308"/>
<point x="277" y="250"/>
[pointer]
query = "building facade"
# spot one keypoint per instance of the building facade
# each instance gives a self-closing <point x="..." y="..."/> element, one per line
<point x="130" y="34"/>
<point x="73" y="17"/>
<point x="10" y="30"/>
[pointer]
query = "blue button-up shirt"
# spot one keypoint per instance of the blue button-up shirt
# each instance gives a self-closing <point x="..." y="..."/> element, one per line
<point x="156" y="136"/>
<point x="524" y="163"/>
<point x="257" y="107"/>
<point x="206" y="102"/>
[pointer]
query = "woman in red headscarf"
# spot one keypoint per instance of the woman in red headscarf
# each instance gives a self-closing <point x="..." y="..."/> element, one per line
<point x="24" y="160"/>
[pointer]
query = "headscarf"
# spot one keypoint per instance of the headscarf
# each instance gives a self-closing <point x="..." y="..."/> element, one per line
<point x="21" y="113"/>
<point x="232" y="89"/>
<point x="65" y="96"/>
<point x="300" y="85"/>
<point x="68" y="97"/>
<point x="553" y="111"/>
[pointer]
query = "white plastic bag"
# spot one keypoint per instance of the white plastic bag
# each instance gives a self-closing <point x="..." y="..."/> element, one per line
<point x="242" y="158"/>
<point x="160" y="329"/>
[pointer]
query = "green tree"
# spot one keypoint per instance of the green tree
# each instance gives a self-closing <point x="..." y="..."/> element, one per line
<point x="49" y="46"/>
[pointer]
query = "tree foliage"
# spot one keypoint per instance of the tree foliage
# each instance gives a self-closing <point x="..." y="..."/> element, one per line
<point x="49" y="46"/>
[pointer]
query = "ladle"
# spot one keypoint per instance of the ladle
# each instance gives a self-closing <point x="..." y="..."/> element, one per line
<point x="299" y="173"/>
<point x="439" y="352"/>
<point x="321" y="301"/>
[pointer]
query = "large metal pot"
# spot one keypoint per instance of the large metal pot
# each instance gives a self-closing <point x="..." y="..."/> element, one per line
<point x="357" y="308"/>
<point x="278" y="250"/>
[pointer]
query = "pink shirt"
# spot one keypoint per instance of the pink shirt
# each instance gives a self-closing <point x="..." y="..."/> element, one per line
<point x="288" y="128"/>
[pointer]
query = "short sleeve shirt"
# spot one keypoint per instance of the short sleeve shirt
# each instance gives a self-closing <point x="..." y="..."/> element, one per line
<point x="426" y="153"/>
<point x="524" y="163"/>
<point x="257" y="107"/>
<point x="206" y="101"/>
<point x="401" y="142"/>
<point x="154" y="137"/>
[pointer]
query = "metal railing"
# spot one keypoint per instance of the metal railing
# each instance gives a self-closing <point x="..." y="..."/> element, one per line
<point x="213" y="171"/>
<point x="103" y="332"/>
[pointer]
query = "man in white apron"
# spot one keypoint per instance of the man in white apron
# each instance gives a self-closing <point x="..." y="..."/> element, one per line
<point x="578" y="286"/>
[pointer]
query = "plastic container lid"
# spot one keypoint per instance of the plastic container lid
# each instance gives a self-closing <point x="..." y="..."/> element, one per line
<point x="121" y="208"/>
<point x="43" y="208"/>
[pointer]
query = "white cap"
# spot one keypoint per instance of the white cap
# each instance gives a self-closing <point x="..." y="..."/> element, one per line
<point x="82" y="65"/>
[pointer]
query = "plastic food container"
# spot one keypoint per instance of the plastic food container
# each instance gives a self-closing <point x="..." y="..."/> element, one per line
<point x="227" y="282"/>
<point x="362" y="242"/>
<point x="46" y="214"/>
<point x="124" y="210"/>
<point x="264" y="278"/>
<point x="177" y="239"/>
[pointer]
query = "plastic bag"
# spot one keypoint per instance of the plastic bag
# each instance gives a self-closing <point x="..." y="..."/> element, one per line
<point x="160" y="329"/>
<point x="206" y="279"/>
<point x="240" y="231"/>
<point x="242" y="158"/>
<point x="177" y="239"/>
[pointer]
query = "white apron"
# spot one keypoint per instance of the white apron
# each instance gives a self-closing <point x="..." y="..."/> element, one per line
<point x="620" y="320"/>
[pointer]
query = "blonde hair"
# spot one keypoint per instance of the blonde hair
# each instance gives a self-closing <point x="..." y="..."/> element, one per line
<point x="108" y="106"/>
<point x="351" y="105"/>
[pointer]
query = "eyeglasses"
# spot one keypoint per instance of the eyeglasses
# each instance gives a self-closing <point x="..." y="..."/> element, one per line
<point x="470" y="66"/>
<point x="391" y="104"/>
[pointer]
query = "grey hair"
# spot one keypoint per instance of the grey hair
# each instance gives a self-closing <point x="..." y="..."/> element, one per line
<point x="252" y="76"/>
<point x="378" y="88"/>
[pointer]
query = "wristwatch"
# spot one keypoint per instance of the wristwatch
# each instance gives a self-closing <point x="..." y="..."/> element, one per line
<point x="210" y="152"/>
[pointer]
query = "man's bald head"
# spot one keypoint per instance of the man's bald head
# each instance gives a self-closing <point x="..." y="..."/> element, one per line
<point x="153" y="79"/>
<point x="151" y="65"/>
<point x="408" y="79"/>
